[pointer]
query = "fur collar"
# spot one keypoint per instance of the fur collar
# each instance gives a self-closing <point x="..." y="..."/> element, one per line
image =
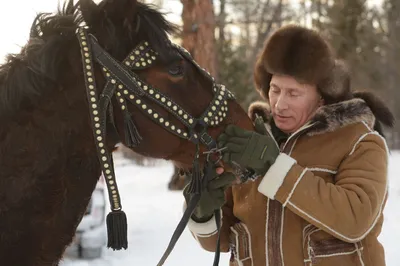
<point x="328" y="118"/>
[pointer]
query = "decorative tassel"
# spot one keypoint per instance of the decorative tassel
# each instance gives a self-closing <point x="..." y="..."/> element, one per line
<point x="132" y="136"/>
<point x="117" y="230"/>
<point x="195" y="182"/>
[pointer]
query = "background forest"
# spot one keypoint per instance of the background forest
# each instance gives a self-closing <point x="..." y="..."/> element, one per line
<point x="225" y="36"/>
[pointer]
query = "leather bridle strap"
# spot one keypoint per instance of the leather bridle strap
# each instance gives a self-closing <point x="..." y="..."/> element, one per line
<point x="126" y="85"/>
<point x="120" y="73"/>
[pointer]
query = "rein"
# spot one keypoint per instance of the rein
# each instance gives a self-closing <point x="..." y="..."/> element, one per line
<point x="125" y="85"/>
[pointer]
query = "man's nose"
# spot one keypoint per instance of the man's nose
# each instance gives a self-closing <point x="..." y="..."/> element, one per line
<point x="281" y="103"/>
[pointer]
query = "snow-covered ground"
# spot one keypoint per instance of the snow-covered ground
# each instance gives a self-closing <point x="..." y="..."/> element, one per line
<point x="153" y="213"/>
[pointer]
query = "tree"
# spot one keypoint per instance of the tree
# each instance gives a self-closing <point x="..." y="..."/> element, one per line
<point x="256" y="20"/>
<point x="367" y="38"/>
<point x="392" y="60"/>
<point x="198" y="38"/>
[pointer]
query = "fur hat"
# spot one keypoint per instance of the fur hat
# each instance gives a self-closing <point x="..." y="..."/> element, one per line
<point x="303" y="54"/>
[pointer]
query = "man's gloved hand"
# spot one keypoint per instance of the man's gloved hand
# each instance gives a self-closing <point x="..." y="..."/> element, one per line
<point x="249" y="149"/>
<point x="212" y="197"/>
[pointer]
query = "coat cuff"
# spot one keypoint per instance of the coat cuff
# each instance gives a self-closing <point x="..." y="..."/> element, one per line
<point x="275" y="175"/>
<point x="203" y="229"/>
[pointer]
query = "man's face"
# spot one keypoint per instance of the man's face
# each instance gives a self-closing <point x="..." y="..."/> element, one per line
<point x="293" y="104"/>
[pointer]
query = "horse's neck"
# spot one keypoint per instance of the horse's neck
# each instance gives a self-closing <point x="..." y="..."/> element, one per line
<point x="48" y="170"/>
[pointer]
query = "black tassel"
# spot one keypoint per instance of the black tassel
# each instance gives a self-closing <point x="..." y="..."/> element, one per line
<point x="117" y="230"/>
<point x="195" y="182"/>
<point x="132" y="136"/>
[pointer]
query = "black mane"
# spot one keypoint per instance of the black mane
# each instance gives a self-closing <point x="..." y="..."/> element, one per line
<point x="43" y="61"/>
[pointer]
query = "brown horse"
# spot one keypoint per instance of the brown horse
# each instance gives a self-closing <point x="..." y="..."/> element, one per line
<point x="49" y="154"/>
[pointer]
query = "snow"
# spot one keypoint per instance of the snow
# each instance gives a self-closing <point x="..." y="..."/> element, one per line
<point x="153" y="213"/>
<point x="391" y="225"/>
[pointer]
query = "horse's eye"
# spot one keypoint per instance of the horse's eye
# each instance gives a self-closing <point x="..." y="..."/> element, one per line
<point x="176" y="70"/>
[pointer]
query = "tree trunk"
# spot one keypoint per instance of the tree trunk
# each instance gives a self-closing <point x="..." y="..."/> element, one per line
<point x="198" y="32"/>
<point x="393" y="58"/>
<point x="222" y="21"/>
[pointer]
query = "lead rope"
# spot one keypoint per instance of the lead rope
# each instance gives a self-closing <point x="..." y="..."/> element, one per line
<point x="192" y="204"/>
<point x="197" y="183"/>
<point x="195" y="187"/>
<point x="217" y="215"/>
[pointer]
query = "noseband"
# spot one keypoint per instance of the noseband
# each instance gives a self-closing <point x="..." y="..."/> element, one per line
<point x="125" y="85"/>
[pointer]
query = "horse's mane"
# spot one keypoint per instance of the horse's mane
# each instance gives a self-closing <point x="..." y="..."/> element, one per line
<point x="44" y="59"/>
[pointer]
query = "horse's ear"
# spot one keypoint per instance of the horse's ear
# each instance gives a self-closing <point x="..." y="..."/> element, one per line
<point x="122" y="9"/>
<point x="91" y="12"/>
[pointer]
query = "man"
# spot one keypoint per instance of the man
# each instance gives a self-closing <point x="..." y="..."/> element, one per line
<point x="322" y="165"/>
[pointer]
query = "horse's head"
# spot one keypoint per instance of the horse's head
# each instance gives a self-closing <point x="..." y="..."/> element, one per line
<point x="172" y="101"/>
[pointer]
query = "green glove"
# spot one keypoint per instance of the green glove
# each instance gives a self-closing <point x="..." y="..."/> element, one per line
<point x="249" y="149"/>
<point x="212" y="198"/>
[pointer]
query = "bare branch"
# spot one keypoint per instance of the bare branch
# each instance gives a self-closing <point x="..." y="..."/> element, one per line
<point x="262" y="35"/>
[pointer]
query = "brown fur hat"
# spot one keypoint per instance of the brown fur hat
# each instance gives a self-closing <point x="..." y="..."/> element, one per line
<point x="303" y="54"/>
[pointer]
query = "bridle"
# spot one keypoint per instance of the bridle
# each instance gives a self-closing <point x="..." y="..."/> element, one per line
<point x="125" y="85"/>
